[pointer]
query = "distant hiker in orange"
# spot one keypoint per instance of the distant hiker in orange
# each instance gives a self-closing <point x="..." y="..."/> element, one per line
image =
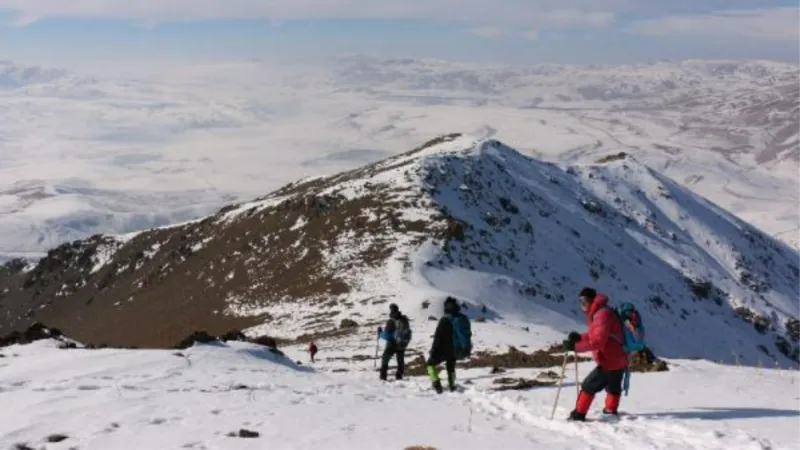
<point x="312" y="350"/>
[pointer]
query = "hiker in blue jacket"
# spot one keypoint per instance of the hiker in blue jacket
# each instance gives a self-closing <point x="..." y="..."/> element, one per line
<point x="397" y="334"/>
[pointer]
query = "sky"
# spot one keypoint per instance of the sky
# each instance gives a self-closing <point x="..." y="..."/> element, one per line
<point x="508" y="31"/>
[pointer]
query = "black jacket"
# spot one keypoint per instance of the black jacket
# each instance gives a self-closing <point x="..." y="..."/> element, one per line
<point x="442" y="347"/>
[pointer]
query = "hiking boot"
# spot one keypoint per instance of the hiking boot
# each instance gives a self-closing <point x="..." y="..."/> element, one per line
<point x="437" y="386"/>
<point x="452" y="387"/>
<point x="575" y="416"/>
<point x="609" y="412"/>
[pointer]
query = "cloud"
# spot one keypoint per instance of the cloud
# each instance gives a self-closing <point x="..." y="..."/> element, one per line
<point x="529" y="35"/>
<point x="573" y="18"/>
<point x="516" y="13"/>
<point x="773" y="23"/>
<point x="487" y="32"/>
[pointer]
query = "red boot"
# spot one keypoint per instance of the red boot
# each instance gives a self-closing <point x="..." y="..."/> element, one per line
<point x="584" y="402"/>
<point x="612" y="404"/>
<point x="581" y="406"/>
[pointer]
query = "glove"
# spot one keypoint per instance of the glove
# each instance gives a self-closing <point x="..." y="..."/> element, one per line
<point x="572" y="339"/>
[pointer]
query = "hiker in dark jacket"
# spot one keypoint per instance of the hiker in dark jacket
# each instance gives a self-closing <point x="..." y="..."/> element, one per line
<point x="443" y="348"/>
<point x="604" y="339"/>
<point x="396" y="341"/>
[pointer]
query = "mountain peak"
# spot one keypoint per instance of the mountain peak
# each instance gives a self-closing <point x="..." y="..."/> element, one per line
<point x="513" y="237"/>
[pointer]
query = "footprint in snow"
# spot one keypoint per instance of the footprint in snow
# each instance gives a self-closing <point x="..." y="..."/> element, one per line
<point x="157" y="421"/>
<point x="88" y="387"/>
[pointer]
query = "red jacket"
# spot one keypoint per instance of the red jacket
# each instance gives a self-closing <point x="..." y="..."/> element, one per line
<point x="605" y="336"/>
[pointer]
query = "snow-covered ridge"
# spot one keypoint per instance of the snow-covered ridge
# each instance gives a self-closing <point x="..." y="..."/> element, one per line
<point x="513" y="236"/>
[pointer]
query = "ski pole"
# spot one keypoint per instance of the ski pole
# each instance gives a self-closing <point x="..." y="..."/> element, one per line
<point x="577" y="379"/>
<point x="560" y="383"/>
<point x="377" y="345"/>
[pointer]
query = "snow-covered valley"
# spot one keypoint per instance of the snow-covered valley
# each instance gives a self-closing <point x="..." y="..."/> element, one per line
<point x="82" y="154"/>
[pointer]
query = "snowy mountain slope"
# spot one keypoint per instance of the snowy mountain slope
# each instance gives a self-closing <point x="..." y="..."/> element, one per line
<point x="514" y="237"/>
<point x="728" y="130"/>
<point x="134" y="399"/>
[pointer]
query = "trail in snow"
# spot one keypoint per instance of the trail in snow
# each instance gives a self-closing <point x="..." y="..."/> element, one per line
<point x="134" y="399"/>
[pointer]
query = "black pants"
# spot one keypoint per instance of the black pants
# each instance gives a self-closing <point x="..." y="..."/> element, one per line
<point x="599" y="379"/>
<point x="449" y="364"/>
<point x="392" y="350"/>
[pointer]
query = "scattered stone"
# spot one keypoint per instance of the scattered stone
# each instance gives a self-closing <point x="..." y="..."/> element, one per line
<point x="243" y="433"/>
<point x="793" y="329"/>
<point x="200" y="337"/>
<point x="67" y="345"/>
<point x="547" y="375"/>
<point x="432" y="318"/>
<point x="644" y="362"/>
<point x="233" y="335"/>
<point x="266" y="341"/>
<point x="496" y="370"/>
<point x="35" y="332"/>
<point x="519" y="384"/>
<point x="426" y="304"/>
<point x="514" y="359"/>
<point x="21" y="446"/>
<point x="57" y="437"/>
<point x="348" y="323"/>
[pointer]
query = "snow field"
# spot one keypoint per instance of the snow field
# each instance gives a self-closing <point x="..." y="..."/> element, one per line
<point x="134" y="399"/>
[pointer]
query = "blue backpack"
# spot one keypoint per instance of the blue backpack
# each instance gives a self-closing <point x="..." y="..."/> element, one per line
<point x="633" y="335"/>
<point x="632" y="328"/>
<point x="462" y="335"/>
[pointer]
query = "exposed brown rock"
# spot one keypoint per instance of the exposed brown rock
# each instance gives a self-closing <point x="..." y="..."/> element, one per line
<point x="163" y="284"/>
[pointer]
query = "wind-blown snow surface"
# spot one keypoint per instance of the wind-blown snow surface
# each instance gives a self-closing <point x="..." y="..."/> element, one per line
<point x="137" y="399"/>
<point x="204" y="135"/>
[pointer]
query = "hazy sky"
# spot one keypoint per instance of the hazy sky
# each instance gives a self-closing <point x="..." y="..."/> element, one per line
<point x="521" y="31"/>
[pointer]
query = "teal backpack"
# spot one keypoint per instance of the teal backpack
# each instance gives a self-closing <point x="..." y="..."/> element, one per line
<point x="633" y="335"/>
<point x="462" y="335"/>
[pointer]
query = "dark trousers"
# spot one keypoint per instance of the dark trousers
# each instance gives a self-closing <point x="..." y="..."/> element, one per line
<point x="449" y="364"/>
<point x="388" y="352"/>
<point x="599" y="379"/>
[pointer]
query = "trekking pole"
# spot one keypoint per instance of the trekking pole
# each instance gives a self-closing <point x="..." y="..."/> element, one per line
<point x="577" y="379"/>
<point x="377" y="345"/>
<point x="560" y="383"/>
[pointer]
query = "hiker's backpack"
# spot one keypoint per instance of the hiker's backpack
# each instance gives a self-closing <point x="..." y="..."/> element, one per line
<point x="402" y="332"/>
<point x="633" y="336"/>
<point x="632" y="328"/>
<point x="462" y="335"/>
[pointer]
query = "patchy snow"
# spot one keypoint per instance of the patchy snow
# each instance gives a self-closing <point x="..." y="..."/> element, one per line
<point x="135" y="399"/>
<point x="537" y="232"/>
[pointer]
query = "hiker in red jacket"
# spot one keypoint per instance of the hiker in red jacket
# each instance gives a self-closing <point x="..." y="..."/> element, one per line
<point x="604" y="339"/>
<point x="312" y="350"/>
